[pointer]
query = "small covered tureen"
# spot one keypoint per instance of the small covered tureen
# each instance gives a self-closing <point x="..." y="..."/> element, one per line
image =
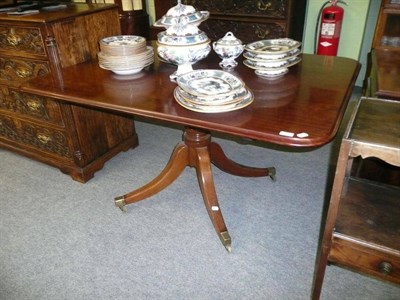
<point x="192" y="16"/>
<point x="228" y="49"/>
<point x="183" y="44"/>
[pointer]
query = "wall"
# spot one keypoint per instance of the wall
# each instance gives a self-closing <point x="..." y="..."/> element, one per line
<point x="355" y="39"/>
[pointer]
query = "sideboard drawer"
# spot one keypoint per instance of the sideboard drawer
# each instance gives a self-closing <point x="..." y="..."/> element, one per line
<point x="36" y="107"/>
<point x="374" y="260"/>
<point x="42" y="138"/>
<point x="18" y="70"/>
<point x="21" y="41"/>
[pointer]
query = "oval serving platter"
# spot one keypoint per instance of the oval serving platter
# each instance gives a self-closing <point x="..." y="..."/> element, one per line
<point x="273" y="46"/>
<point x="247" y="100"/>
<point x="209" y="82"/>
<point x="214" y="100"/>
<point x="260" y="66"/>
<point x="271" y="57"/>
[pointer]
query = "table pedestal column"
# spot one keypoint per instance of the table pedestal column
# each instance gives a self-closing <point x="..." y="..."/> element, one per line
<point x="199" y="152"/>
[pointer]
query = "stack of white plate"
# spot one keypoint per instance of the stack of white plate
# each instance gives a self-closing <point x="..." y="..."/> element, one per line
<point x="272" y="58"/>
<point x="211" y="91"/>
<point x="125" y="54"/>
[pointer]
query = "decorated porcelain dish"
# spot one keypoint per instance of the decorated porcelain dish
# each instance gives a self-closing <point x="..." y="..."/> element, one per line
<point x="272" y="58"/>
<point x="271" y="74"/>
<point x="209" y="82"/>
<point x="273" y="46"/>
<point x="259" y="65"/>
<point x="122" y="45"/>
<point x="194" y="18"/>
<point x="190" y="14"/>
<point x="126" y="71"/>
<point x="245" y="101"/>
<point x="214" y="100"/>
<point x="123" y="40"/>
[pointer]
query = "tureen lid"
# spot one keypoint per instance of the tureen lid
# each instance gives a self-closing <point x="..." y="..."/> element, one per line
<point x="229" y="40"/>
<point x="180" y="10"/>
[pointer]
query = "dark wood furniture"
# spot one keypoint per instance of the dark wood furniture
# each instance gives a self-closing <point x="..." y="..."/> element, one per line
<point x="387" y="32"/>
<point x="133" y="16"/>
<point x="363" y="225"/>
<point x="304" y="108"/>
<point x="75" y="139"/>
<point x="248" y="20"/>
<point x="385" y="74"/>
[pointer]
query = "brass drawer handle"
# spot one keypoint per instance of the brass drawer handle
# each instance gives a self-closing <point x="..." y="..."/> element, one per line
<point x="33" y="105"/>
<point x="44" y="139"/>
<point x="261" y="5"/>
<point x="13" y="39"/>
<point x="385" y="268"/>
<point x="23" y="73"/>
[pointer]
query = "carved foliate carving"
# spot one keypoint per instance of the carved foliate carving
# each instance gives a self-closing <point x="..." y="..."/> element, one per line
<point x="42" y="138"/>
<point x="262" y="8"/>
<point x="22" y="40"/>
<point x="31" y="105"/>
<point x="19" y="70"/>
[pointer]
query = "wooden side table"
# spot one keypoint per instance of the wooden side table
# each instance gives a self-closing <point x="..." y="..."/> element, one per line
<point x="362" y="230"/>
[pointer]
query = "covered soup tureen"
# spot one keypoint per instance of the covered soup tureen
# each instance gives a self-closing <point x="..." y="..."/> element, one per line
<point x="183" y="43"/>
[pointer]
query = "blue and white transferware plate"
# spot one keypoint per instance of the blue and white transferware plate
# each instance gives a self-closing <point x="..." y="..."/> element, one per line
<point x="259" y="65"/>
<point x="273" y="46"/>
<point x="247" y="100"/>
<point x="271" y="57"/>
<point x="209" y="82"/>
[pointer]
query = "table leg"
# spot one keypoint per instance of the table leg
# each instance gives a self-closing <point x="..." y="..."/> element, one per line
<point x="222" y="162"/>
<point x="199" y="152"/>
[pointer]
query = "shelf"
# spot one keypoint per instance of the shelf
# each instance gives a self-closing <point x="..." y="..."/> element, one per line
<point x="370" y="212"/>
<point x="362" y="228"/>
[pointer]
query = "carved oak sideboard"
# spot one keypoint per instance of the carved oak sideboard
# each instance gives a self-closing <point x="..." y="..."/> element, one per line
<point x="249" y="20"/>
<point x="75" y="139"/>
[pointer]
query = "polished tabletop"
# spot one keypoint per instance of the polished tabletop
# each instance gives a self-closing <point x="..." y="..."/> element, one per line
<point x="303" y="108"/>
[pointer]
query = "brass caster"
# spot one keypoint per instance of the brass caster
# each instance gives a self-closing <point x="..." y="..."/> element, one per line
<point x="120" y="203"/>
<point x="226" y="240"/>
<point x="272" y="173"/>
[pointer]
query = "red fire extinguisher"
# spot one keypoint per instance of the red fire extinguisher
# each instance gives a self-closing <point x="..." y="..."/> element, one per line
<point x="331" y="25"/>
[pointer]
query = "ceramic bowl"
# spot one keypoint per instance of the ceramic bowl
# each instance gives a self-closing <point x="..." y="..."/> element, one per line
<point x="228" y="49"/>
<point x="182" y="33"/>
<point x="183" y="56"/>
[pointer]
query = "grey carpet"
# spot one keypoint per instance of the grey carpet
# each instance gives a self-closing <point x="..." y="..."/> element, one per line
<point x="64" y="240"/>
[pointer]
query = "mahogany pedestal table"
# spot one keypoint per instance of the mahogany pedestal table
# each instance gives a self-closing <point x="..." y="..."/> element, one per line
<point x="304" y="108"/>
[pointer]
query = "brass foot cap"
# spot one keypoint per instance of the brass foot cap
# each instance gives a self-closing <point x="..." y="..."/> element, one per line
<point x="120" y="203"/>
<point x="226" y="240"/>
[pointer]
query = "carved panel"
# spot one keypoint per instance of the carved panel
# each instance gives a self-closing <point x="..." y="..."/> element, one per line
<point x="41" y="108"/>
<point x="246" y="32"/>
<point x="21" y="70"/>
<point x="22" y="41"/>
<point x="47" y="139"/>
<point x="262" y="8"/>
